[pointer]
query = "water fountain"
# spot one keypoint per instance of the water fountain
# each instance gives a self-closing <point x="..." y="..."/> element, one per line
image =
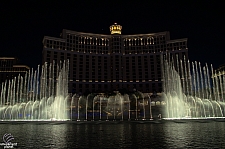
<point x="36" y="96"/>
<point x="43" y="96"/>
<point x="192" y="91"/>
<point x="98" y="107"/>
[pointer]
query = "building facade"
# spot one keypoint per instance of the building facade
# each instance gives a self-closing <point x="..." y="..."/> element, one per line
<point x="100" y="63"/>
<point x="9" y="68"/>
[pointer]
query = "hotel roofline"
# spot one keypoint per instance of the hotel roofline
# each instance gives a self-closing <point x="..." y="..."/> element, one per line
<point x="7" y="58"/>
<point x="21" y="66"/>
<point x="65" y="31"/>
<point x="110" y="35"/>
<point x="54" y="38"/>
<point x="177" y="40"/>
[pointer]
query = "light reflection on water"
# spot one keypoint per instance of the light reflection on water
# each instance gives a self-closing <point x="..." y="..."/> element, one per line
<point x="189" y="135"/>
<point x="123" y="135"/>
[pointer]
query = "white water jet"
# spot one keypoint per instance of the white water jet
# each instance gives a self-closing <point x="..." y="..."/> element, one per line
<point x="202" y="95"/>
<point x="36" y="96"/>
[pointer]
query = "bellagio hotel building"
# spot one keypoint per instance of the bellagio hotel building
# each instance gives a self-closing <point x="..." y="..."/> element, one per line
<point x="100" y="63"/>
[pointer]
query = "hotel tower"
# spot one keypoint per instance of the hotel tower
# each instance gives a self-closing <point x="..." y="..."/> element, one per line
<point x="100" y="63"/>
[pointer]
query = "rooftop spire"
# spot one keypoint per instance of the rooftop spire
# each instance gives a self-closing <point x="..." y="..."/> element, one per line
<point x="115" y="29"/>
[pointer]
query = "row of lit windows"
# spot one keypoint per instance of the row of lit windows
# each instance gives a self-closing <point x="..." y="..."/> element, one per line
<point x="138" y="42"/>
<point x="103" y="86"/>
<point x="137" y="51"/>
<point x="108" y="72"/>
<point x="105" y="42"/>
<point x="75" y="56"/>
<point x="78" y="81"/>
<point x="131" y="74"/>
<point x="6" y="63"/>
<point x="135" y="75"/>
<point x="85" y="47"/>
<point x="87" y="40"/>
<point x="176" y="44"/>
<point x="105" y="66"/>
<point x="107" y="52"/>
<point x="100" y="63"/>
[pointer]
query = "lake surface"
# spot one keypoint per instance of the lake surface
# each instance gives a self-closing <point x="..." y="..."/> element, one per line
<point x="170" y="134"/>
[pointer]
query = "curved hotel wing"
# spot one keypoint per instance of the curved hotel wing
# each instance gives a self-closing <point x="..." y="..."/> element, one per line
<point x="100" y="63"/>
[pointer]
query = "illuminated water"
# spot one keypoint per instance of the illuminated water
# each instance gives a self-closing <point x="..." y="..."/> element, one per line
<point x="119" y="135"/>
<point x="192" y="91"/>
<point x="188" y="92"/>
<point x="37" y="96"/>
<point x="114" y="107"/>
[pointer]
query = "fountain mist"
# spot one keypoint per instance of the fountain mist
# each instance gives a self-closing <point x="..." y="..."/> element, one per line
<point x="36" y="96"/>
<point x="192" y="91"/>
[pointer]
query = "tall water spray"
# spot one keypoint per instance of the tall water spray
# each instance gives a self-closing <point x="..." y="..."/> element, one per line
<point x="39" y="95"/>
<point x="192" y="91"/>
<point x="114" y="107"/>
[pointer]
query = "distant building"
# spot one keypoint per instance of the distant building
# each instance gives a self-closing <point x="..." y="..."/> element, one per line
<point x="220" y="70"/>
<point x="9" y="68"/>
<point x="100" y="63"/>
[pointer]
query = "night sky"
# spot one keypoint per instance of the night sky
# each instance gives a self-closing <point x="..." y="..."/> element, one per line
<point x="24" y="24"/>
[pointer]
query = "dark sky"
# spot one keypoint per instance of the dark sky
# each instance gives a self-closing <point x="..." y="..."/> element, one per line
<point x="24" y="24"/>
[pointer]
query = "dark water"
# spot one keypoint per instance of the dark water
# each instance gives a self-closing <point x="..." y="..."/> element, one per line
<point x="121" y="135"/>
